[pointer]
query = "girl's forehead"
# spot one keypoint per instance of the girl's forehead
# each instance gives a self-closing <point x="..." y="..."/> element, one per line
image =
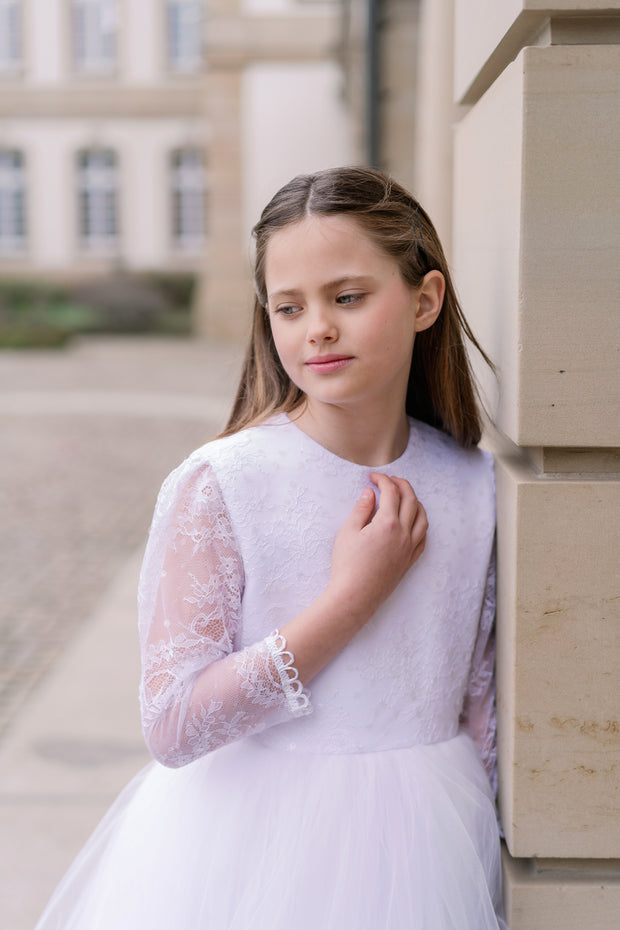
<point x="337" y="225"/>
<point x="316" y="242"/>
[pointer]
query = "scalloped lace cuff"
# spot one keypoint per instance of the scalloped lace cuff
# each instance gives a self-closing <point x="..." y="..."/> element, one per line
<point x="297" y="698"/>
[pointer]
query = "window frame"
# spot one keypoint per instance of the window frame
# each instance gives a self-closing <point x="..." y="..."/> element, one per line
<point x="11" y="40"/>
<point x="188" y="187"/>
<point x="13" y="203"/>
<point x="98" y="200"/>
<point x="89" y="55"/>
<point x="177" y="61"/>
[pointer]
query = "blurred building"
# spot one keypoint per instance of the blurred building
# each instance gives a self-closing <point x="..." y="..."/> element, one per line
<point x="148" y="134"/>
<point x="102" y="135"/>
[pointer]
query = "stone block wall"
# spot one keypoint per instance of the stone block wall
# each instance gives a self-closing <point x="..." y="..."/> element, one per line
<point x="535" y="243"/>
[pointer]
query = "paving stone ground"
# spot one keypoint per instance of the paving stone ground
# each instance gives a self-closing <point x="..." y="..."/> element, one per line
<point x="87" y="434"/>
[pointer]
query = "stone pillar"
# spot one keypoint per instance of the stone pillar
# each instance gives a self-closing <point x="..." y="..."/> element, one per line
<point x="224" y="286"/>
<point x="239" y="37"/>
<point x="224" y="293"/>
<point x="536" y="242"/>
<point x="436" y="114"/>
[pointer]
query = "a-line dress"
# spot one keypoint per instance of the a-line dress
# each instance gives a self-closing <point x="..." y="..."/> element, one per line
<point x="364" y="802"/>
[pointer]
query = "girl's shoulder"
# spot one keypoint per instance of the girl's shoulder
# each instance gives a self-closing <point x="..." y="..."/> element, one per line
<point x="444" y="445"/>
<point x="443" y="454"/>
<point x="226" y="455"/>
<point x="252" y="442"/>
<point x="457" y="480"/>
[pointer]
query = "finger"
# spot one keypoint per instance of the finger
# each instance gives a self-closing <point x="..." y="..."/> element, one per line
<point x="389" y="494"/>
<point x="409" y="503"/>
<point x="417" y="552"/>
<point x="363" y="510"/>
<point x="420" y="525"/>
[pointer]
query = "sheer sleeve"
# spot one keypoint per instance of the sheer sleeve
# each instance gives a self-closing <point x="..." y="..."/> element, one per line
<point x="479" y="717"/>
<point x="196" y="692"/>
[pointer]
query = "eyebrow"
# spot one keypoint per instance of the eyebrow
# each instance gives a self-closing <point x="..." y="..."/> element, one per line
<point x="329" y="286"/>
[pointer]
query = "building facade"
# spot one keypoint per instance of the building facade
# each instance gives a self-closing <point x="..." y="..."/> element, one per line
<point x="103" y="139"/>
<point x="148" y="134"/>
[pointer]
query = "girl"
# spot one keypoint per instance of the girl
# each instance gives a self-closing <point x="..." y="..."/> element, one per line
<point x="338" y="535"/>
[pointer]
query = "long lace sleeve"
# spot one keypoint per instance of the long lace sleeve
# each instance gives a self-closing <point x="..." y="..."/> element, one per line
<point x="479" y="717"/>
<point x="196" y="693"/>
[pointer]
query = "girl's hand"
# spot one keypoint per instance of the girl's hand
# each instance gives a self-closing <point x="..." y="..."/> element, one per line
<point x="372" y="554"/>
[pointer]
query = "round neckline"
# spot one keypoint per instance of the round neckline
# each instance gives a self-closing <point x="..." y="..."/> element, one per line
<point x="333" y="456"/>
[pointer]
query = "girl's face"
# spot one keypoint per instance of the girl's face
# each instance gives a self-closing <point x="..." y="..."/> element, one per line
<point x="343" y="319"/>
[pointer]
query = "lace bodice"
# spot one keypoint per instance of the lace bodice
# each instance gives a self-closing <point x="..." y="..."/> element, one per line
<point x="241" y="542"/>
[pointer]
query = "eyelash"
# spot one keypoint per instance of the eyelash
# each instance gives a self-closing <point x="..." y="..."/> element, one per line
<point x="350" y="298"/>
<point x="284" y="310"/>
<point x="343" y="300"/>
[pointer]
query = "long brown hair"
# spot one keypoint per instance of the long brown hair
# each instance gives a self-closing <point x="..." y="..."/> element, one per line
<point x="441" y="389"/>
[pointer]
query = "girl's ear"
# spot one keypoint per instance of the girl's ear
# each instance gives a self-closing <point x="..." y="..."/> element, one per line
<point x="429" y="300"/>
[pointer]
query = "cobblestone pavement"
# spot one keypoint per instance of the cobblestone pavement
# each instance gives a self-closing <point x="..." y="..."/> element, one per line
<point x="87" y="435"/>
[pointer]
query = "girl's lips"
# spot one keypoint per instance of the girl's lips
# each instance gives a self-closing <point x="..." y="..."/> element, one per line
<point x="327" y="363"/>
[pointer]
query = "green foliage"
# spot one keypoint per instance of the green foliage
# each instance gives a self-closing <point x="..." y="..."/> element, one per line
<point x="177" y="288"/>
<point x="36" y="313"/>
<point x="16" y="336"/>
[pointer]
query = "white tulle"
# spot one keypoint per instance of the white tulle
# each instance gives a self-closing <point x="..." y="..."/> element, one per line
<point x="365" y="804"/>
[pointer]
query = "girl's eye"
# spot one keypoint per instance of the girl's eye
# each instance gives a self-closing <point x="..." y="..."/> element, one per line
<point x="288" y="309"/>
<point x="348" y="299"/>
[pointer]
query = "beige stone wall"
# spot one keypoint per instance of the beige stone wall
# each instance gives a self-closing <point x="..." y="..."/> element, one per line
<point x="535" y="241"/>
<point x="436" y="114"/>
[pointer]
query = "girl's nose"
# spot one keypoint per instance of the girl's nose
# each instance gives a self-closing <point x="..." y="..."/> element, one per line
<point x="321" y="326"/>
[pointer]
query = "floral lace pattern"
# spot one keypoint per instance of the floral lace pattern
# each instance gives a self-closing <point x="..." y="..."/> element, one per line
<point x="479" y="716"/>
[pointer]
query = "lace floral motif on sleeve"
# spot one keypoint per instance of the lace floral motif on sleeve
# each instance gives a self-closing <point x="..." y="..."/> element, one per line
<point x="479" y="717"/>
<point x="197" y="693"/>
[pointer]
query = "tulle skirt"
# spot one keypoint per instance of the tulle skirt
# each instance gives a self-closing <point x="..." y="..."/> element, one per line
<point x="250" y="838"/>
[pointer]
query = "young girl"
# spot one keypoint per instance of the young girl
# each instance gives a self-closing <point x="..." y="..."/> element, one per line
<point x="316" y="611"/>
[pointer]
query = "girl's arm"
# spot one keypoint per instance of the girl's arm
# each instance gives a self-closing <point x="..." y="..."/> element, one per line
<point x="196" y="692"/>
<point x="479" y="717"/>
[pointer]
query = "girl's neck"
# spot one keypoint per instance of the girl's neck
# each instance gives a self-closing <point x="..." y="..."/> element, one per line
<point x="375" y="438"/>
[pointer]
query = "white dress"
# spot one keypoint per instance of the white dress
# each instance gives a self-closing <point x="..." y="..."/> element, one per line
<point x="360" y="804"/>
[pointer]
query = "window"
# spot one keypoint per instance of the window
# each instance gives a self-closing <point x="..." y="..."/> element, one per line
<point x="188" y="195"/>
<point x="97" y="199"/>
<point x="10" y="36"/>
<point x="12" y="202"/>
<point x="184" y="20"/>
<point x="94" y="28"/>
